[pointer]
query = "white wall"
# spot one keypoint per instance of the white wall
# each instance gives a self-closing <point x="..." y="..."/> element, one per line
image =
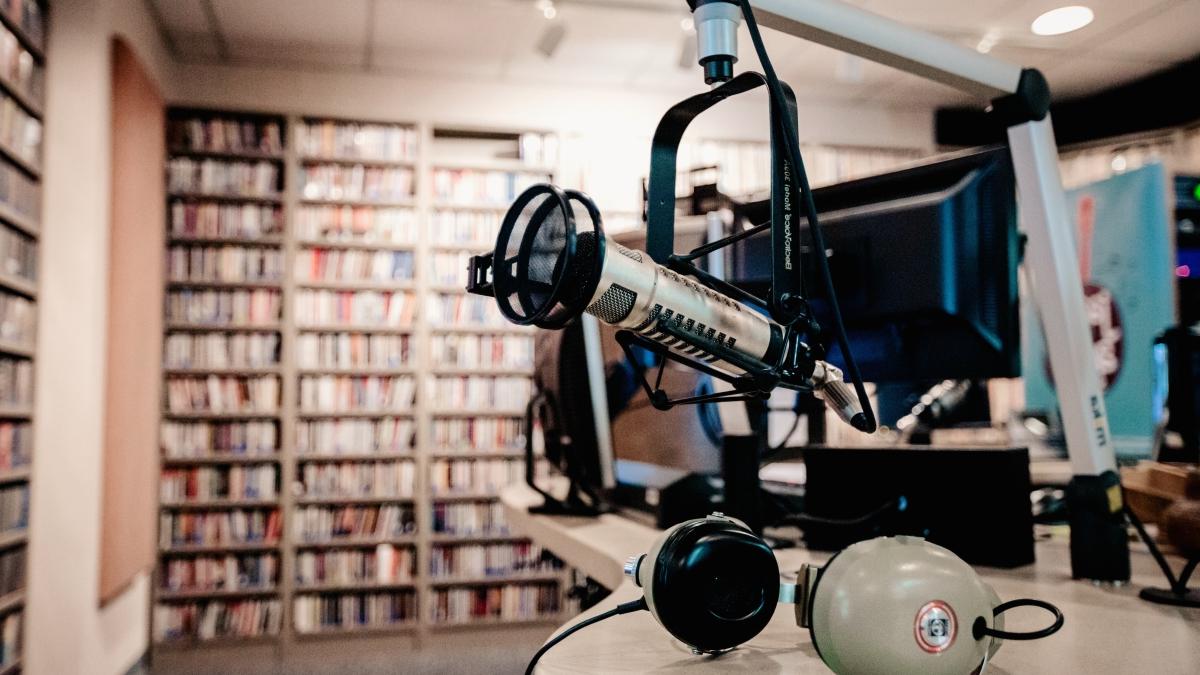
<point x="66" y="630"/>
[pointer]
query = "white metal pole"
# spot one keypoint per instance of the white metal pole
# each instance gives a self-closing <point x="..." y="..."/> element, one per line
<point x="1053" y="267"/>
<point x="856" y="31"/>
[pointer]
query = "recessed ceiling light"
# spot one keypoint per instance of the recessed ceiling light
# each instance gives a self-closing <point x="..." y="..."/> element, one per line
<point x="1062" y="20"/>
<point x="687" y="24"/>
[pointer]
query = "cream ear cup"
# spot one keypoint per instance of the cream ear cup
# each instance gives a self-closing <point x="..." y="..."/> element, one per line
<point x="900" y="606"/>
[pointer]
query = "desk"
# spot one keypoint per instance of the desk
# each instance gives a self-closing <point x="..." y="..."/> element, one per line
<point x="1107" y="630"/>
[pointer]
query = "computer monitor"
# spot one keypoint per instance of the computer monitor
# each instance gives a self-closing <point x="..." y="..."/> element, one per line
<point x="924" y="262"/>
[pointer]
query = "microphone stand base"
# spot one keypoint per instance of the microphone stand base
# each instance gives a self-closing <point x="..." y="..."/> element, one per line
<point x="1165" y="596"/>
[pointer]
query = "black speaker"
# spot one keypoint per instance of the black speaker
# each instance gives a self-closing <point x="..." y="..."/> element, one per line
<point x="973" y="501"/>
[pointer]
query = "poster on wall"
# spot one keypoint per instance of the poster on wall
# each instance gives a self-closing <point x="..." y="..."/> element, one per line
<point x="1122" y="229"/>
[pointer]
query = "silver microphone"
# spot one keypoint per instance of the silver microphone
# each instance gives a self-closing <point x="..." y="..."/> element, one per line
<point x="552" y="262"/>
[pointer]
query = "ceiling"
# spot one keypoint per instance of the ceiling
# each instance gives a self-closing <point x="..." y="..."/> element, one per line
<point x="637" y="43"/>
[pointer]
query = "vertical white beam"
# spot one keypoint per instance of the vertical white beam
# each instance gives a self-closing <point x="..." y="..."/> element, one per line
<point x="1053" y="267"/>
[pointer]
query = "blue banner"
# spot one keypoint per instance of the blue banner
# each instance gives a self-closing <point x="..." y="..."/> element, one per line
<point x="1122" y="229"/>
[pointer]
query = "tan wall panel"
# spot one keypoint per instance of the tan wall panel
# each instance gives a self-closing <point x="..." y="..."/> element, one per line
<point x="134" y="341"/>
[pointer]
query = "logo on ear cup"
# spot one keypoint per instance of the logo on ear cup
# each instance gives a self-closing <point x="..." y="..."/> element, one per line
<point x="936" y="627"/>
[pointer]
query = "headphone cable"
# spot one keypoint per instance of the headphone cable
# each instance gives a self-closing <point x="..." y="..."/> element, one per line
<point x="624" y="608"/>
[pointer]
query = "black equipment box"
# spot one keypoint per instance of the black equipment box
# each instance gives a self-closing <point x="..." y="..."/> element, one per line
<point x="973" y="501"/>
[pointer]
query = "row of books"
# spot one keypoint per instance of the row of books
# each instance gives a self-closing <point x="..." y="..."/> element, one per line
<point x="20" y="132"/>
<point x="482" y="351"/>
<point x="220" y="572"/>
<point x="18" y="254"/>
<point x="490" y="560"/>
<point x="204" y="483"/>
<point x="457" y="476"/>
<point x="19" y="192"/>
<point x="357" y="393"/>
<point x="383" y="564"/>
<point x="27" y="14"/>
<point x="230" y="394"/>
<point x="514" y="602"/>
<point x="16" y="382"/>
<point x="478" y="434"/>
<point x="449" y="269"/>
<point x="365" y="224"/>
<point x="214" y="619"/>
<point x="321" y="264"/>
<point x="328" y="524"/>
<point x="12" y="570"/>
<point x="221" y="350"/>
<point x="470" y="519"/>
<point x="18" y="67"/>
<point x="15" y="445"/>
<point x="329" y="438"/>
<point x="10" y="638"/>
<point x="18" y="319"/>
<point x="385" y="309"/>
<point x="315" y="613"/>
<point x="359" y="479"/>
<point x="448" y="227"/>
<point x="14" y="508"/>
<point x="224" y="263"/>
<point x="199" y="220"/>
<point x="478" y="392"/>
<point x="219" y="177"/>
<point x="473" y="187"/>
<point x="451" y="309"/>
<point x="224" y="134"/>
<point x="219" y="528"/>
<point x="352" y="350"/>
<point x="191" y="440"/>
<point x="354" y="140"/>
<point x="258" y="306"/>
<point x="337" y="182"/>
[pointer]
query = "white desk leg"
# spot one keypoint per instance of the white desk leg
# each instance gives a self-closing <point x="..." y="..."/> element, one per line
<point x="1098" y="546"/>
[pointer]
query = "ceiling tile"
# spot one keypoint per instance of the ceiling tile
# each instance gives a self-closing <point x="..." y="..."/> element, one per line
<point x="182" y="16"/>
<point x="195" y="48"/>
<point x="1170" y="34"/>
<point x="1081" y="76"/>
<point x="262" y="25"/>
<point x="637" y="43"/>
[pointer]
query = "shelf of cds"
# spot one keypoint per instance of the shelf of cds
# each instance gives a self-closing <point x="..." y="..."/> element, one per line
<point x="337" y="417"/>
<point x="22" y="89"/>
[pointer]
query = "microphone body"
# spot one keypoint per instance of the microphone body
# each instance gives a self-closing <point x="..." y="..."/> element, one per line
<point x="637" y="294"/>
<point x="642" y="296"/>
<point x="545" y="272"/>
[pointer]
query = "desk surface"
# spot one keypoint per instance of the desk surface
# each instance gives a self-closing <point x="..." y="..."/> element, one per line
<point x="1108" y="630"/>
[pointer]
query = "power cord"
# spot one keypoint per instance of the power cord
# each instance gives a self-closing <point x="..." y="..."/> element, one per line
<point x="810" y="208"/>
<point x="624" y="608"/>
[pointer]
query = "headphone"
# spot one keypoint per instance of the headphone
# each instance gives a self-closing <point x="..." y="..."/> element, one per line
<point x="884" y="606"/>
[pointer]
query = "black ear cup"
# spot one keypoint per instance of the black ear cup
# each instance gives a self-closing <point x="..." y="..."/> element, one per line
<point x="715" y="584"/>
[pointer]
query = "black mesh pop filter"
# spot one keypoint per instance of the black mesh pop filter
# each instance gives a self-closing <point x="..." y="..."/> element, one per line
<point x="548" y="256"/>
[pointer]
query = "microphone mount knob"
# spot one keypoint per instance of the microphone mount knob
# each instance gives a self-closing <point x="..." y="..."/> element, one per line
<point x="631" y="567"/>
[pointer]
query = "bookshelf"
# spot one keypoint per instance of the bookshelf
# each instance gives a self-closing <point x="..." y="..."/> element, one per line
<point x="221" y="522"/>
<point x="315" y="310"/>
<point x="22" y="79"/>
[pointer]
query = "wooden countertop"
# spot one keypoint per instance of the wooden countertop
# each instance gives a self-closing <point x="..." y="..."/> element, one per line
<point x="1107" y="630"/>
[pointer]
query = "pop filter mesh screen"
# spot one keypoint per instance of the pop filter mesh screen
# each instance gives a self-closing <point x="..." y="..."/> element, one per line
<point x="535" y="253"/>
